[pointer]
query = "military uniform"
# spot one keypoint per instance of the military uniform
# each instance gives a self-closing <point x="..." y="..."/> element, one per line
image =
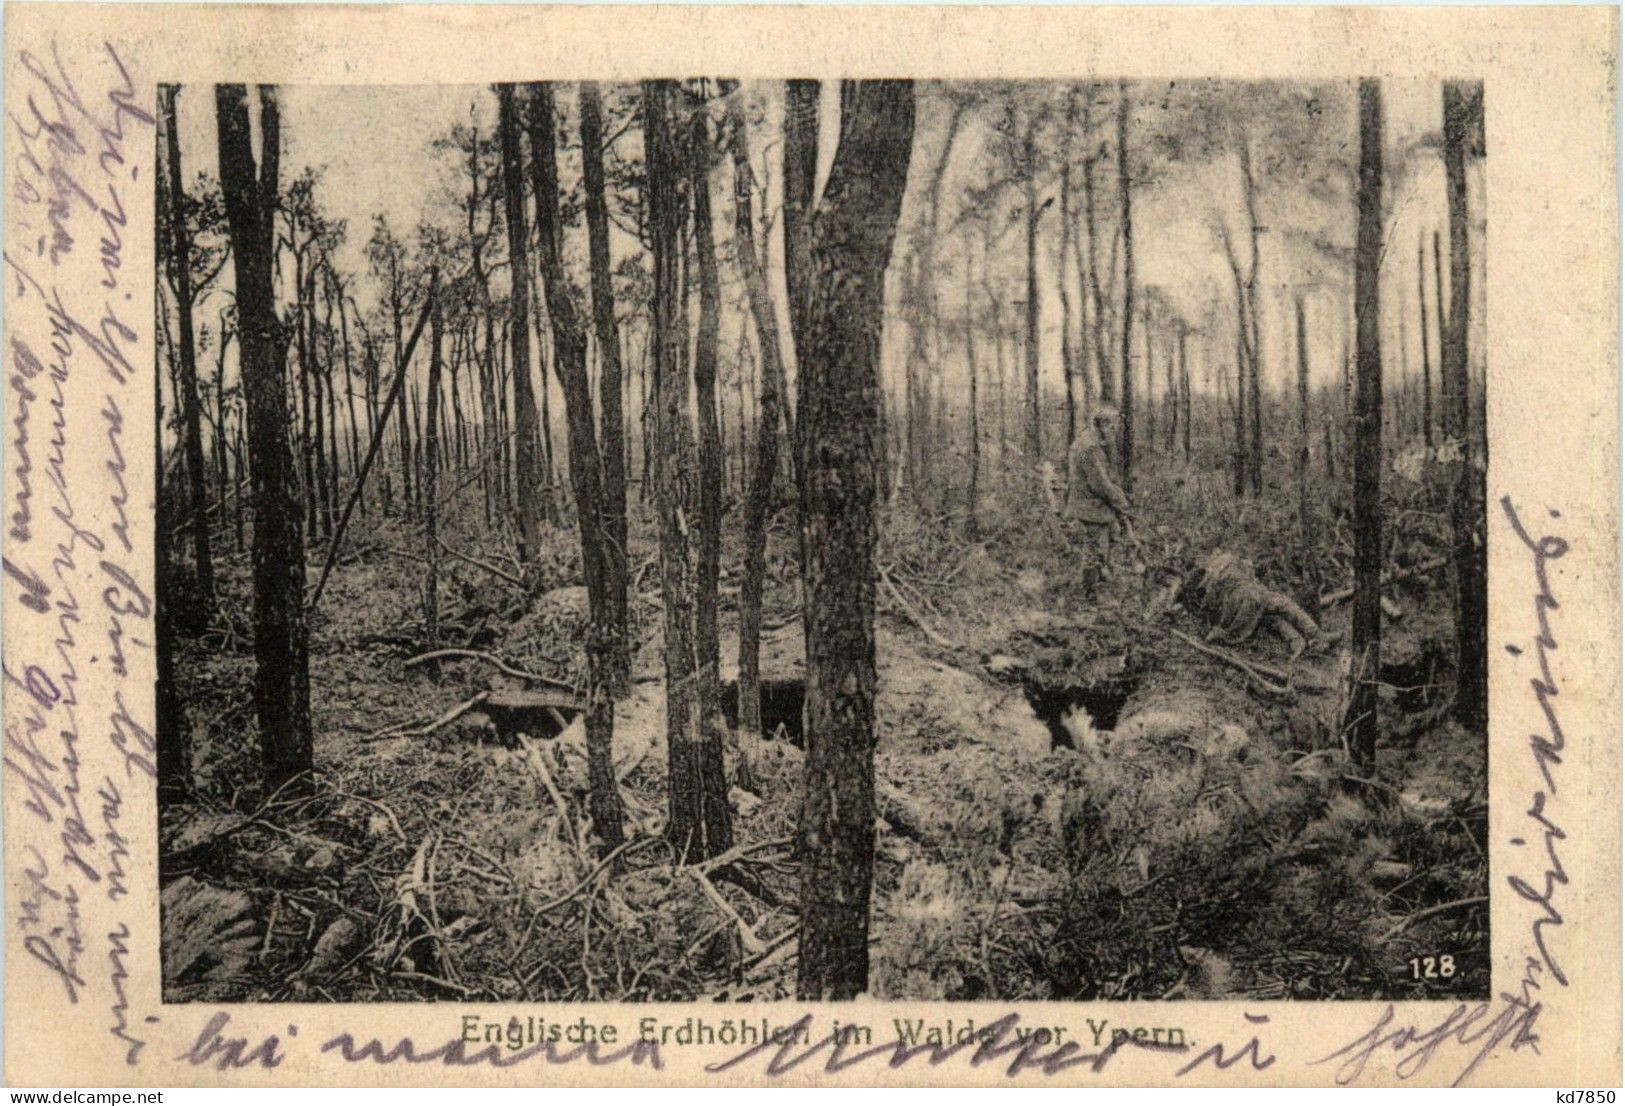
<point x="1094" y="502"/>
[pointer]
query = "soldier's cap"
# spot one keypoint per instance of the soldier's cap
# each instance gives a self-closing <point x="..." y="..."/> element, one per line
<point x="1106" y="412"/>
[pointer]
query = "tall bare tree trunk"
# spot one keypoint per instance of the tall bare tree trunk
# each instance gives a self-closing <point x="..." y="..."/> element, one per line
<point x="852" y="238"/>
<point x="431" y="448"/>
<point x="1255" y="343"/>
<point x="759" y="500"/>
<point x="699" y="825"/>
<point x="612" y="417"/>
<point x="800" y="176"/>
<point x="529" y="477"/>
<point x="281" y="646"/>
<point x="1124" y="188"/>
<point x="973" y="494"/>
<point x="1300" y="466"/>
<point x="1360" y="722"/>
<point x="1068" y="351"/>
<point x="586" y="477"/>
<point x="180" y="271"/>
<point x="707" y="646"/>
<point x="1184" y="393"/>
<point x="1464" y="138"/>
<point x="1427" y="367"/>
<point x="227" y="333"/>
<point x="1097" y="298"/>
<point x="1033" y="436"/>
<point x="174" y="743"/>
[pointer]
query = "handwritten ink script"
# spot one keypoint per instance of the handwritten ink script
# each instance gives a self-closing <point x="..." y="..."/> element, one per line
<point x="1005" y="1042"/>
<point x="1471" y="1033"/>
<point x="78" y="744"/>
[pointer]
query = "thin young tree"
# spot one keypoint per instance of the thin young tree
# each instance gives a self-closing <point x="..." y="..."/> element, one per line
<point x="1360" y="721"/>
<point x="699" y="825"/>
<point x="281" y="644"/>
<point x="852" y="235"/>
<point x="1464" y="139"/>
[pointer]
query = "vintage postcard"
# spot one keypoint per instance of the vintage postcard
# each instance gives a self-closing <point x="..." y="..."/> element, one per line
<point x="757" y="546"/>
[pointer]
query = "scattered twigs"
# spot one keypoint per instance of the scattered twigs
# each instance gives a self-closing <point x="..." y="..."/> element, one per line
<point x="477" y="563"/>
<point x="405" y="729"/>
<point x="435" y="981"/>
<point x="1421" y="915"/>
<point x="553" y="904"/>
<point x="497" y="662"/>
<point x="914" y="616"/>
<point x="1266" y="678"/>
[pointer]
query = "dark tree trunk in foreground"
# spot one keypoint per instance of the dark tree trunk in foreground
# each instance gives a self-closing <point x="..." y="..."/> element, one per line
<point x="586" y="479"/>
<point x="1360" y="724"/>
<point x="180" y="271"/>
<point x="852" y="237"/>
<point x="613" y="442"/>
<point x="528" y="477"/>
<point x="1124" y="184"/>
<point x="699" y="825"/>
<point x="759" y="499"/>
<point x="1464" y="138"/>
<point x="281" y="647"/>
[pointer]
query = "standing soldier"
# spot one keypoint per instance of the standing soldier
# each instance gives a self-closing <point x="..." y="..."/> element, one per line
<point x="1093" y="499"/>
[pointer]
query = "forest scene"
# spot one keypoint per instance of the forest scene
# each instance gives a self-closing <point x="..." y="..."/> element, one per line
<point x="711" y="540"/>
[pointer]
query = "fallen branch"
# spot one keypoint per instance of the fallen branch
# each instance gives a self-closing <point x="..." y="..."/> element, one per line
<point x="498" y="662"/>
<point x="1343" y="595"/>
<point x="389" y="733"/>
<point x="913" y="615"/>
<point x="747" y="936"/>
<point x="390" y="404"/>
<point x="1257" y="674"/>
<point x="540" y="767"/>
<point x="477" y="563"/>
<point x="739" y="852"/>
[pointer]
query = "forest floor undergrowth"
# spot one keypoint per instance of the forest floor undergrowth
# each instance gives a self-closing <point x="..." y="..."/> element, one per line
<point x="1076" y="799"/>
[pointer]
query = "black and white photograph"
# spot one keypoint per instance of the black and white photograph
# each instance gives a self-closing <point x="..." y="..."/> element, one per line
<point x="703" y="540"/>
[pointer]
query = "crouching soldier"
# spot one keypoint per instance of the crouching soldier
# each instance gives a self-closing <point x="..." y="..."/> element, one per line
<point x="1094" y="502"/>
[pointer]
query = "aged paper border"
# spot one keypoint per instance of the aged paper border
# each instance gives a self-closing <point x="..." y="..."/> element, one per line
<point x="1550" y="75"/>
